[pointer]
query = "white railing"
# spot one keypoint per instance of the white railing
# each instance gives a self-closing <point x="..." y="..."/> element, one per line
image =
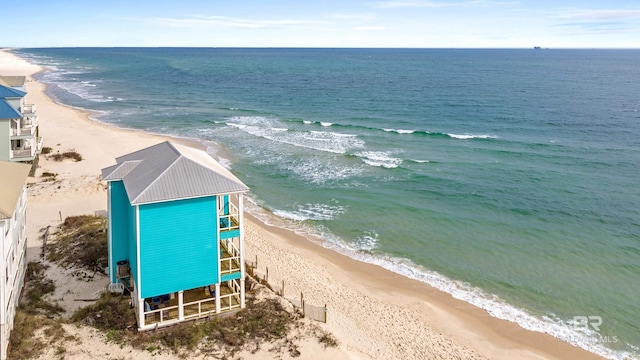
<point x="28" y="108"/>
<point x="230" y="221"/>
<point x="228" y="304"/>
<point x="26" y="126"/>
<point x="21" y="153"/>
<point x="159" y="315"/>
<point x="23" y="131"/>
<point x="31" y="120"/>
<point x="39" y="142"/>
<point x="232" y="268"/>
<point x="200" y="313"/>
<point x="235" y="256"/>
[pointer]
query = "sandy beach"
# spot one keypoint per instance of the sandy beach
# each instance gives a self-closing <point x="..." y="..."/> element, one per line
<point x="374" y="313"/>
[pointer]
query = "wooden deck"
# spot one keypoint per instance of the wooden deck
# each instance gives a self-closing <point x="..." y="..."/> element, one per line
<point x="198" y="303"/>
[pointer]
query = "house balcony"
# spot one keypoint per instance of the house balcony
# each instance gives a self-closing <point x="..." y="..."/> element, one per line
<point x="229" y="258"/>
<point x="25" y="127"/>
<point x="28" y="151"/>
<point x="22" y="154"/>
<point x="28" y="109"/>
<point x="229" y="218"/>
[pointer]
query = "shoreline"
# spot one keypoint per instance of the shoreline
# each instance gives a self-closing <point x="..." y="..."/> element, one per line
<point x="373" y="312"/>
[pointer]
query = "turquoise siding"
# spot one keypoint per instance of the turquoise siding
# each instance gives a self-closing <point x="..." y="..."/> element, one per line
<point x="171" y="261"/>
<point x="225" y="200"/>
<point x="227" y="277"/>
<point x="132" y="249"/>
<point x="119" y="226"/>
<point x="229" y="234"/>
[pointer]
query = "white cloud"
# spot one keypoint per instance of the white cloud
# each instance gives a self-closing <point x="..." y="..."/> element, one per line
<point x="215" y="21"/>
<point x="370" y="28"/>
<point x="359" y="16"/>
<point x="439" y="4"/>
<point x="603" y="14"/>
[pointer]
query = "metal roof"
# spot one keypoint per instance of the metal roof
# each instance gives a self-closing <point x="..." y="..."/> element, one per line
<point x="13" y="177"/>
<point x="13" y="81"/>
<point x="8" y="92"/>
<point x="167" y="171"/>
<point x="8" y="112"/>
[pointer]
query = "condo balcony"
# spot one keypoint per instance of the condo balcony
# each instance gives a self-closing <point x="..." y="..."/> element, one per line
<point x="28" y="109"/>
<point x="24" y="127"/>
<point x="25" y="150"/>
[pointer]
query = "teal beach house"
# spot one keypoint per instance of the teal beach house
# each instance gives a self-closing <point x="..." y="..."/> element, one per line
<point x="176" y="239"/>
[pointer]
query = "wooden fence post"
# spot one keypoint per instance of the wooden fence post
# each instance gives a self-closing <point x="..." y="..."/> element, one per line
<point x="325" y="313"/>
<point x="44" y="242"/>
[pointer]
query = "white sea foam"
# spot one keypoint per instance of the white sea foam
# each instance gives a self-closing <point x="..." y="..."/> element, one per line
<point x="83" y="89"/>
<point x="225" y="162"/>
<point x="271" y="129"/>
<point x="325" y="124"/>
<point x="316" y="212"/>
<point x="471" y="136"/>
<point x="379" y="158"/>
<point x="419" y="161"/>
<point x="321" y="170"/>
<point x="400" y="131"/>
<point x="368" y="241"/>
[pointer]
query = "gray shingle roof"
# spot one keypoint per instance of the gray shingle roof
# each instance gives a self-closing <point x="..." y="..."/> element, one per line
<point x="167" y="171"/>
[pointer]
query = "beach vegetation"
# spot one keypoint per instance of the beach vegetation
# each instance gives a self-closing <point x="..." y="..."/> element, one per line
<point x="71" y="154"/>
<point x="49" y="176"/>
<point x="37" y="287"/>
<point x="327" y="339"/>
<point x="81" y="242"/>
<point x="111" y="313"/>
<point x="37" y="322"/>
<point x="46" y="150"/>
<point x="264" y="320"/>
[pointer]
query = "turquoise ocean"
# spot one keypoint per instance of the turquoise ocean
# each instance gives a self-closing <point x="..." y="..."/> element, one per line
<point x="508" y="178"/>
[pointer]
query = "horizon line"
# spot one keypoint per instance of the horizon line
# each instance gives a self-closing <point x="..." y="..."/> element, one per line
<point x="318" y="47"/>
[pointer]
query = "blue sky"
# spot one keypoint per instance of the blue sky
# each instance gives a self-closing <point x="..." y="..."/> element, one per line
<point x="327" y="23"/>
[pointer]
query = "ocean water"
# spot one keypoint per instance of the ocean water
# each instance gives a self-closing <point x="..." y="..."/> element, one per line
<point x="509" y="178"/>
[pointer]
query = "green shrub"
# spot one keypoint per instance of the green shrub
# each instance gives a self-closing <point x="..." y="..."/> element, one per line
<point x="111" y="313"/>
<point x="73" y="155"/>
<point x="81" y="241"/>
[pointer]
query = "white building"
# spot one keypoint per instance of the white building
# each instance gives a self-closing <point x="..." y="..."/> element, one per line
<point x="13" y="244"/>
<point x="19" y="133"/>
